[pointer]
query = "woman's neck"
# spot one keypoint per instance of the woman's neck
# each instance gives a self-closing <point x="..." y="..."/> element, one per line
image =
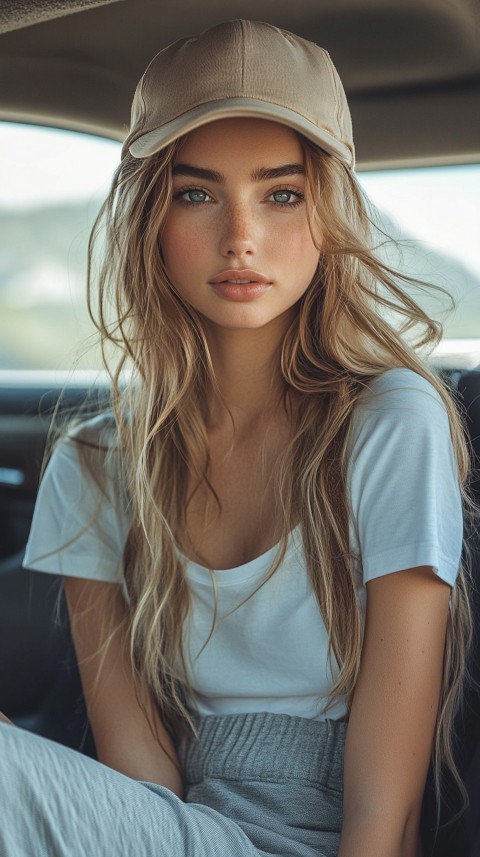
<point x="248" y="377"/>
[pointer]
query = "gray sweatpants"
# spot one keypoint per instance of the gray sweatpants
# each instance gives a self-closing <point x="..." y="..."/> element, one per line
<point x="256" y="785"/>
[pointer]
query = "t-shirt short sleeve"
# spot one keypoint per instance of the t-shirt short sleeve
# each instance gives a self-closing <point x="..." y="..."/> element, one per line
<point x="79" y="525"/>
<point x="406" y="508"/>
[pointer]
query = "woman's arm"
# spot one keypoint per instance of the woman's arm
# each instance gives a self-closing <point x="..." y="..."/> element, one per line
<point x="123" y="737"/>
<point x="392" y="722"/>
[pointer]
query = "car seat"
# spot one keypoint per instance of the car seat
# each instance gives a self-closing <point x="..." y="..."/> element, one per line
<point x="460" y="836"/>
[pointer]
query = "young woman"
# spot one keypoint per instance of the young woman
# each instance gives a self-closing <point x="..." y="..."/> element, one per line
<point x="261" y="543"/>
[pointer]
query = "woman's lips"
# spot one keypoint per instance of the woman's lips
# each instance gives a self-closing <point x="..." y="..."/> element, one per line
<point x="240" y="285"/>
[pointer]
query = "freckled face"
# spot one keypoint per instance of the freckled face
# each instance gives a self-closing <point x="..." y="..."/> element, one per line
<point x="237" y="244"/>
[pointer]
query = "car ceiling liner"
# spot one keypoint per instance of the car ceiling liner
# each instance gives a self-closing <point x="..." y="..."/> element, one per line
<point x="15" y="14"/>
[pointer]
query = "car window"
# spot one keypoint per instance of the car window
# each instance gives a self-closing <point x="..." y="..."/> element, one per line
<point x="432" y="212"/>
<point x="53" y="183"/>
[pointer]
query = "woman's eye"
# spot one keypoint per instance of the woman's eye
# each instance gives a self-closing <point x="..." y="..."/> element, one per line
<point x="287" y="197"/>
<point x="192" y="195"/>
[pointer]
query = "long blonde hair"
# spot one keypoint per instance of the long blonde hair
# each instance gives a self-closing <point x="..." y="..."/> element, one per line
<point x="343" y="336"/>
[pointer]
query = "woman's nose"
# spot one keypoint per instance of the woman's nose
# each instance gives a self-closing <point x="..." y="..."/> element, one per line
<point x="238" y="232"/>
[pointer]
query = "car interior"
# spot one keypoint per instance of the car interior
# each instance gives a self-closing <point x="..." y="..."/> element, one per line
<point x="411" y="69"/>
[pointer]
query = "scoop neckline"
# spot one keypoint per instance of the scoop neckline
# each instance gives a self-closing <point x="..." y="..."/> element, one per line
<point x="243" y="571"/>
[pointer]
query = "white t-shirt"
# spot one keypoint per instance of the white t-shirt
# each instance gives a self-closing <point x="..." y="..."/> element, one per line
<point x="270" y="654"/>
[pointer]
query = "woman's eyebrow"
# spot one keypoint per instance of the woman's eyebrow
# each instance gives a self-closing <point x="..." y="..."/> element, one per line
<point x="258" y="175"/>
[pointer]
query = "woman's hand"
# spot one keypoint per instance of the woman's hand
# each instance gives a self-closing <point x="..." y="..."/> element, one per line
<point x="4" y="719"/>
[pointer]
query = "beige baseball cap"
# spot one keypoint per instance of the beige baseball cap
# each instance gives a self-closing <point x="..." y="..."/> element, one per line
<point x="241" y="68"/>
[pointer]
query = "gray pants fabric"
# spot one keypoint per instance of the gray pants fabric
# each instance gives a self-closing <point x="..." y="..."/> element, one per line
<point x="256" y="785"/>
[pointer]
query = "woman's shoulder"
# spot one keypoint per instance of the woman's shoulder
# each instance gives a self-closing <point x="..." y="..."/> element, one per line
<point x="98" y="432"/>
<point x="80" y="520"/>
<point x="89" y="440"/>
<point x="402" y="378"/>
<point x="402" y="480"/>
<point x="401" y="388"/>
<point x="85" y="455"/>
<point x="401" y="407"/>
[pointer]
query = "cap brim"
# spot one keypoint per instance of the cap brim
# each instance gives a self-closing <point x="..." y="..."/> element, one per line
<point x="147" y="144"/>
